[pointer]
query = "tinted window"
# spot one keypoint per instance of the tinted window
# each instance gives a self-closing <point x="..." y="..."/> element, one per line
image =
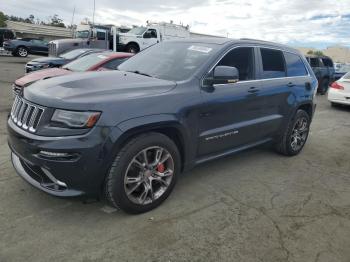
<point x="171" y="60"/>
<point x="314" y="62"/>
<point x="327" y="62"/>
<point x="295" y="66"/>
<point x="101" y="35"/>
<point x="113" y="64"/>
<point x="242" y="59"/>
<point x="273" y="63"/>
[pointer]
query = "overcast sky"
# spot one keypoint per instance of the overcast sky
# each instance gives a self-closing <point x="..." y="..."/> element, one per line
<point x="310" y="23"/>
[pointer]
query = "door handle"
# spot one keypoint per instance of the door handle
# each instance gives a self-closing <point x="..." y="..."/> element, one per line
<point x="253" y="90"/>
<point x="290" y="84"/>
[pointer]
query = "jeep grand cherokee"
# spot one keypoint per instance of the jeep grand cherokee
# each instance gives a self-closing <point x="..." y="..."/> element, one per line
<point x="128" y="134"/>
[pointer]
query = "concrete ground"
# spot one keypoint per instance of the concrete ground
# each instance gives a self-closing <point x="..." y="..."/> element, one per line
<point x="253" y="206"/>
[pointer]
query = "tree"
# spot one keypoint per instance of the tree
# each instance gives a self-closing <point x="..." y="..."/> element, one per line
<point x="310" y="52"/>
<point x="56" y="21"/>
<point x="316" y="53"/>
<point x="3" y="18"/>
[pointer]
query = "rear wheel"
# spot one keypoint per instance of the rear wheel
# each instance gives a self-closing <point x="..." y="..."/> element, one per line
<point x="143" y="174"/>
<point x="22" y="51"/>
<point x="296" y="134"/>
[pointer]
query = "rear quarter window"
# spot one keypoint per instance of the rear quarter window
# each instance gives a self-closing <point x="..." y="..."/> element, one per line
<point x="327" y="62"/>
<point x="273" y="63"/>
<point x="295" y="66"/>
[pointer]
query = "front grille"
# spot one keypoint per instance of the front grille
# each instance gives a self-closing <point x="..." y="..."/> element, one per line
<point x="52" y="49"/>
<point x="16" y="89"/>
<point x="25" y="114"/>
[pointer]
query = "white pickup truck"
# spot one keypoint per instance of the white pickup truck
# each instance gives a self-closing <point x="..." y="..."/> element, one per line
<point x="140" y="38"/>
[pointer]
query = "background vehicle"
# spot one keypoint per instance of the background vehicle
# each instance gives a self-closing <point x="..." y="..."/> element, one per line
<point x="24" y="46"/>
<point x="92" y="62"/>
<point x="339" y="91"/>
<point x="140" y="38"/>
<point x="50" y="62"/>
<point x="129" y="133"/>
<point x="88" y="36"/>
<point x="340" y="70"/>
<point x="324" y="70"/>
<point x="6" y="34"/>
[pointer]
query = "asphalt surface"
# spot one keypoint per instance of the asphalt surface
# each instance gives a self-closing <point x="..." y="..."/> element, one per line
<point x="253" y="206"/>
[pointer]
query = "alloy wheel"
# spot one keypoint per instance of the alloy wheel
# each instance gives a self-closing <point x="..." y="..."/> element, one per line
<point x="148" y="175"/>
<point x="22" y="52"/>
<point x="299" y="134"/>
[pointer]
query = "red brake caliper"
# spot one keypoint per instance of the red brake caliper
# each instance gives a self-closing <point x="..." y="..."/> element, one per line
<point x="160" y="168"/>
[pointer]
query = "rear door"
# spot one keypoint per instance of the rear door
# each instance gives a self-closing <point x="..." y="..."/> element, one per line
<point x="283" y="75"/>
<point x="231" y="114"/>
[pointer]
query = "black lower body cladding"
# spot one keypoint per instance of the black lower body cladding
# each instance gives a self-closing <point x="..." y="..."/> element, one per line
<point x="62" y="166"/>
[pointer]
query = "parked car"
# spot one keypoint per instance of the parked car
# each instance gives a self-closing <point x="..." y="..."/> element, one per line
<point x="324" y="70"/>
<point x="340" y="70"/>
<point x="92" y="62"/>
<point x="128" y="134"/>
<point x="50" y="62"/>
<point x="24" y="46"/>
<point x="6" y="34"/>
<point x="339" y="91"/>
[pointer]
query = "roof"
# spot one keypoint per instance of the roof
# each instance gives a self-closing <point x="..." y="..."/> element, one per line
<point x="317" y="56"/>
<point x="230" y="41"/>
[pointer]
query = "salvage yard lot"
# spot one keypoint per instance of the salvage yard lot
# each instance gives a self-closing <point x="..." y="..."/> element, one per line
<point x="253" y="206"/>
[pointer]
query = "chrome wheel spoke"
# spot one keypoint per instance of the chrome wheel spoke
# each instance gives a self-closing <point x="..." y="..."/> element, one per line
<point x="148" y="175"/>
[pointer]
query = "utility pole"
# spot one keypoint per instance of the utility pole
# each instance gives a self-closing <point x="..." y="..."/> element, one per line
<point x="71" y="24"/>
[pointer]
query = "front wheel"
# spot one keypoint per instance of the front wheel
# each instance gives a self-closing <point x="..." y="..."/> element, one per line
<point x="143" y="174"/>
<point x="296" y="134"/>
<point x="132" y="48"/>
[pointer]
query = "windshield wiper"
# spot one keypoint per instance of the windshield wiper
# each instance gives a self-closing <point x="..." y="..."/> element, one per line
<point x="140" y="73"/>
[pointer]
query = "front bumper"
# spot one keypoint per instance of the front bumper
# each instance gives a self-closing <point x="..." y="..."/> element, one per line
<point x="82" y="174"/>
<point x="35" y="67"/>
<point x="338" y="96"/>
<point x="9" y="48"/>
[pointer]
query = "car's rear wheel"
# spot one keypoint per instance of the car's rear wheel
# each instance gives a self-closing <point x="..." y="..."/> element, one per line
<point x="22" y="51"/>
<point x="295" y="135"/>
<point x="143" y="174"/>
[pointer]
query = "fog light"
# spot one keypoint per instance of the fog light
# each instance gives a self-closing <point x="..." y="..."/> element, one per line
<point x="53" y="154"/>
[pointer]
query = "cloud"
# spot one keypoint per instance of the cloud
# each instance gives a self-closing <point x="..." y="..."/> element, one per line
<point x="307" y="23"/>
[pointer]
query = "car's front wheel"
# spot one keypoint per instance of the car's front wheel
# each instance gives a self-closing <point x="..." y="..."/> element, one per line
<point x="295" y="135"/>
<point x="143" y="173"/>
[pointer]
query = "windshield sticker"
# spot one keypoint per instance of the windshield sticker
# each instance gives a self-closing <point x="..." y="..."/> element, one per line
<point x="102" y="56"/>
<point x="202" y="49"/>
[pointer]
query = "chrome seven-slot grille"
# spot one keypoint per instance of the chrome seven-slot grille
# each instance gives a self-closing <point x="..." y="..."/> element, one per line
<point x="25" y="114"/>
<point x="52" y="49"/>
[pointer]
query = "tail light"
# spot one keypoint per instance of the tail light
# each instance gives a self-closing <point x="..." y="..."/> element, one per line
<point x="336" y="85"/>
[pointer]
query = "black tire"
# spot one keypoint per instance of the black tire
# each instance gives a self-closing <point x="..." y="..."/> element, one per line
<point x="284" y="145"/>
<point x="115" y="190"/>
<point x="132" y="48"/>
<point x="22" y="51"/>
<point x="334" y="104"/>
<point x="324" y="86"/>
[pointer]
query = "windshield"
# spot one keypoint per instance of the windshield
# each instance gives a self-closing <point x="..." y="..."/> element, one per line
<point x="86" y="62"/>
<point x="343" y="68"/>
<point x="174" y="61"/>
<point x="73" y="54"/>
<point x="137" y="31"/>
<point x="82" y="34"/>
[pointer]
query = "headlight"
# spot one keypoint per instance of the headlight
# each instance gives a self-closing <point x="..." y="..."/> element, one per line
<point x="75" y="119"/>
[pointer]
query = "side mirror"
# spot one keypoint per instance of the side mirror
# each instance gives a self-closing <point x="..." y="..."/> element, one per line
<point x="225" y="75"/>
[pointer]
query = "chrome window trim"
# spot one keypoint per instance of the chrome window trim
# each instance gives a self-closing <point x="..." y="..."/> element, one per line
<point x="262" y="79"/>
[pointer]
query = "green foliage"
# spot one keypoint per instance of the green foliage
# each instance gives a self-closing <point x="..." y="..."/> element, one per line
<point x="2" y="19"/>
<point x="316" y="53"/>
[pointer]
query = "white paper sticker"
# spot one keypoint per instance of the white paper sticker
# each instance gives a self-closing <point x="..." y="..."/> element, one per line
<point x="202" y="49"/>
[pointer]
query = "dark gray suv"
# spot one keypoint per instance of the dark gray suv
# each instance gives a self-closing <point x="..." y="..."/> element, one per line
<point x="129" y="134"/>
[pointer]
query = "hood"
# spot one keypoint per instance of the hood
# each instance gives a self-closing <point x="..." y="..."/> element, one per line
<point x="92" y="89"/>
<point x="41" y="74"/>
<point x="49" y="60"/>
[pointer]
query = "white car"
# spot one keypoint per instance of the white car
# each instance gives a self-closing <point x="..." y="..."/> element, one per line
<point x="339" y="91"/>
